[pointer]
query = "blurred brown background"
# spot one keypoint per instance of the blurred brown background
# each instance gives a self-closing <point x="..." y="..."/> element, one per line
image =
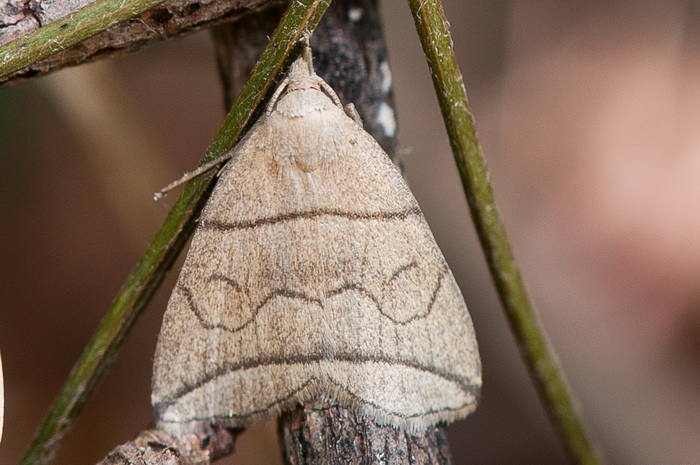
<point x="589" y="114"/>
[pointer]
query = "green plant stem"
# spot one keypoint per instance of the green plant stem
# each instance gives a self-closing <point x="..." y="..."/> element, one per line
<point x="68" y="31"/>
<point x="301" y="16"/>
<point x="437" y="44"/>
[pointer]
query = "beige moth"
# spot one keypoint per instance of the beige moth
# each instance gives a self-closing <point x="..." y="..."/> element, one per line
<point x="313" y="276"/>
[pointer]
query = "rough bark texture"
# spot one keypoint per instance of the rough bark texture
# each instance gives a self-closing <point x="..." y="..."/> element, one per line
<point x="153" y="447"/>
<point x="170" y="19"/>
<point x="316" y="436"/>
<point x="350" y="54"/>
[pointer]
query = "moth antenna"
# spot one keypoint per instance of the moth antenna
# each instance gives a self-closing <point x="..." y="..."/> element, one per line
<point x="192" y="174"/>
<point x="331" y="93"/>
<point x="275" y="96"/>
<point x="308" y="58"/>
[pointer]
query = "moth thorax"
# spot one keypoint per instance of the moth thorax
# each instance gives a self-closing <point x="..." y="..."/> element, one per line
<point x="308" y="160"/>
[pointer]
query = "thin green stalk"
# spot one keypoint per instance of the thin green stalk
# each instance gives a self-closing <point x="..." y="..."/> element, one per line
<point x="437" y="44"/>
<point x="59" y="35"/>
<point x="301" y="16"/>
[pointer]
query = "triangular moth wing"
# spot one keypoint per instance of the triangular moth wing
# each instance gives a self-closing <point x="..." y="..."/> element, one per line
<point x="313" y="275"/>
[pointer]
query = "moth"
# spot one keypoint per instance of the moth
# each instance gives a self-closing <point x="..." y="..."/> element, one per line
<point x="313" y="276"/>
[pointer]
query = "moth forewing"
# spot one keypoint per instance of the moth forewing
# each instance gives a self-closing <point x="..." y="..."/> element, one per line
<point x="313" y="275"/>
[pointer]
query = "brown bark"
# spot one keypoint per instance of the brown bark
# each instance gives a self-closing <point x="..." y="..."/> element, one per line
<point x="318" y="436"/>
<point x="171" y="18"/>
<point x="153" y="447"/>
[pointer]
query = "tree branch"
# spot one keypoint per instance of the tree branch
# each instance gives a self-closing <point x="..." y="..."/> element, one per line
<point x="154" y="447"/>
<point x="168" y="19"/>
<point x="319" y="436"/>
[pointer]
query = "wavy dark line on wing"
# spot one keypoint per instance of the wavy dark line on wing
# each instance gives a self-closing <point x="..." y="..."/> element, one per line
<point x="402" y="269"/>
<point x="187" y="292"/>
<point x="290" y="294"/>
<point x="233" y="226"/>
<point x="288" y="360"/>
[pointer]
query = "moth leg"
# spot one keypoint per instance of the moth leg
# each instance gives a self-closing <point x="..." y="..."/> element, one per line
<point x="351" y="111"/>
<point x="193" y="174"/>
